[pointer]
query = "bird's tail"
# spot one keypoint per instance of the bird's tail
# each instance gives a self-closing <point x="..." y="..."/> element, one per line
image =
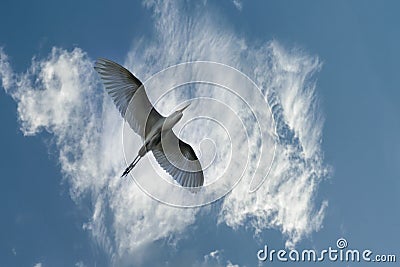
<point x="131" y="166"/>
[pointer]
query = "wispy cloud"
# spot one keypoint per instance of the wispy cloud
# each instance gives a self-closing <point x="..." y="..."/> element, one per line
<point x="286" y="199"/>
<point x="215" y="259"/>
<point x="7" y="75"/>
<point x="62" y="95"/>
<point x="80" y="264"/>
<point x="238" y="4"/>
<point x="287" y="78"/>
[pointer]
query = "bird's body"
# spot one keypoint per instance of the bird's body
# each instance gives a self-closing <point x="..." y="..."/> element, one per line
<point x="162" y="127"/>
<point x="175" y="156"/>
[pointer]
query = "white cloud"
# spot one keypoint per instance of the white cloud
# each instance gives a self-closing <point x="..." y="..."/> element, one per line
<point x="238" y="4"/>
<point x="7" y="76"/>
<point x="216" y="259"/>
<point x="212" y="255"/>
<point x="287" y="199"/>
<point x="80" y="264"/>
<point x="230" y="264"/>
<point x="39" y="264"/>
<point x="61" y="94"/>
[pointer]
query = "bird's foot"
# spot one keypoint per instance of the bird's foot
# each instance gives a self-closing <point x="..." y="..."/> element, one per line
<point x="127" y="170"/>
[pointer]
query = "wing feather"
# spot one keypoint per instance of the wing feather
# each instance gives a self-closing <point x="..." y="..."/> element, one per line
<point x="129" y="95"/>
<point x="185" y="170"/>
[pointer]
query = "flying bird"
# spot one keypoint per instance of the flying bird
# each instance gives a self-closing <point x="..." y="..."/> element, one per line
<point x="175" y="156"/>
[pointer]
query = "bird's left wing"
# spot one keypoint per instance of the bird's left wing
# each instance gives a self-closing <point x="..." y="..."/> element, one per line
<point x="129" y="95"/>
<point x="179" y="160"/>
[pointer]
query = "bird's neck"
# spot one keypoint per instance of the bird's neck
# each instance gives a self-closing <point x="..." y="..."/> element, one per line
<point x="170" y="122"/>
<point x="162" y="126"/>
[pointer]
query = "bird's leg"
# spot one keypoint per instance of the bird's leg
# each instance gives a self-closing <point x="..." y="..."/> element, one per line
<point x="131" y="166"/>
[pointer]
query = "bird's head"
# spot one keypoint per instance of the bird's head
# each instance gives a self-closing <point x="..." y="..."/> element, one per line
<point x="182" y="109"/>
<point x="179" y="113"/>
<point x="174" y="117"/>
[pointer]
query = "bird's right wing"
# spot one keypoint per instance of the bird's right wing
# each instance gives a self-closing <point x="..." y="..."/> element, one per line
<point x="179" y="160"/>
<point x="129" y="95"/>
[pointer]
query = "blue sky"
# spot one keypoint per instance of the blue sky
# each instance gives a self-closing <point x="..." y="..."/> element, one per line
<point x="346" y="52"/>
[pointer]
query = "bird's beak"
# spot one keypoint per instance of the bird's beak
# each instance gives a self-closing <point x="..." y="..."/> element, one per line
<point x="185" y="107"/>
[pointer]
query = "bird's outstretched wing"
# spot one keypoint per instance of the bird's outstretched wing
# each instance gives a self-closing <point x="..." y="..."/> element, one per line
<point x="183" y="164"/>
<point x="129" y="95"/>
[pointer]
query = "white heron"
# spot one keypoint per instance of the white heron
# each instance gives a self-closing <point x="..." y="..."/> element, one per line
<point x="175" y="156"/>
